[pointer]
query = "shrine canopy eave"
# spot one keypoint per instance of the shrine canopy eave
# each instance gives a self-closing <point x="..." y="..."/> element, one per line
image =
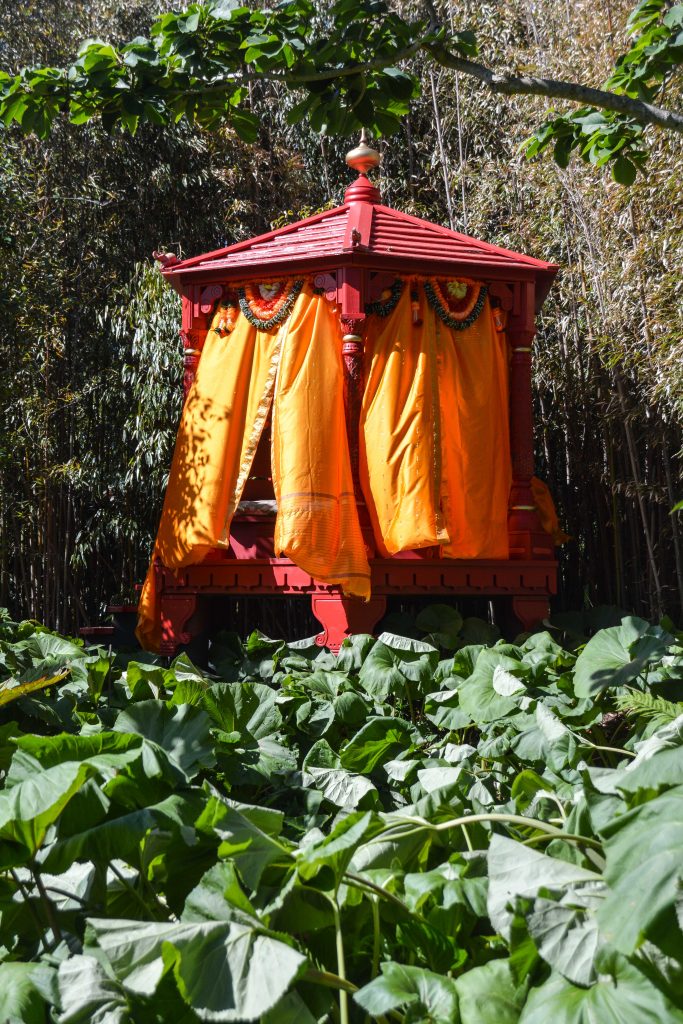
<point x="363" y="235"/>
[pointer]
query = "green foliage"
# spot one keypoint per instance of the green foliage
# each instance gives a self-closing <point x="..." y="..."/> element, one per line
<point x="346" y="61"/>
<point x="309" y="843"/>
<point x="601" y="136"/>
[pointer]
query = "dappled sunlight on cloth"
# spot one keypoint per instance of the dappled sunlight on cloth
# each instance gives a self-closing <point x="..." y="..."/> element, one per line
<point x="222" y="422"/>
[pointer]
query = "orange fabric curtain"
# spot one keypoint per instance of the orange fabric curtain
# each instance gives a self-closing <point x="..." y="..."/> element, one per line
<point x="221" y="424"/>
<point x="435" y="450"/>
<point x="317" y="519"/>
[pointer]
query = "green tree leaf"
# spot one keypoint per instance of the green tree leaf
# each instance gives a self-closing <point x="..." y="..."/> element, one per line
<point x="181" y="730"/>
<point x="20" y="1000"/>
<point x="618" y="655"/>
<point x="88" y="995"/>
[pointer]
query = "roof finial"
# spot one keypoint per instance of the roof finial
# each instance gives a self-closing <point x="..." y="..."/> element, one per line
<point x="362" y="159"/>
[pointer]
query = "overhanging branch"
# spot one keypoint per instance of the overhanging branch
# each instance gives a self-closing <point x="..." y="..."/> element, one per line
<point x="526" y="85"/>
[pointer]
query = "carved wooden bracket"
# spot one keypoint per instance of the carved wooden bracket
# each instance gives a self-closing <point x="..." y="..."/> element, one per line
<point x="328" y="283"/>
<point x="210" y="297"/>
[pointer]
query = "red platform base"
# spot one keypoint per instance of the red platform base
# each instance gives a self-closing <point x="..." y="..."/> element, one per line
<point x="184" y="594"/>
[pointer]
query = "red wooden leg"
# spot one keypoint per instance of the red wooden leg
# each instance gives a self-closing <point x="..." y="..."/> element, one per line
<point x="530" y="611"/>
<point x="176" y="612"/>
<point x="342" y="616"/>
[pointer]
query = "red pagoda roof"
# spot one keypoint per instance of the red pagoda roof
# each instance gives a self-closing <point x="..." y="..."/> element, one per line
<point x="362" y="232"/>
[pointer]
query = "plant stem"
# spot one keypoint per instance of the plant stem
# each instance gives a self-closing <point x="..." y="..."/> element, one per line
<point x="48" y="904"/>
<point x="364" y="883"/>
<point x="374" y="904"/>
<point x="132" y="890"/>
<point x="341" y="963"/>
<point x="29" y="906"/>
<point x="609" y="750"/>
<point x="508" y="819"/>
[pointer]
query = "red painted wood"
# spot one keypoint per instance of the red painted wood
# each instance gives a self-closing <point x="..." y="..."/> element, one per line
<point x="530" y="611"/>
<point x="343" y="616"/>
<point x="482" y="577"/>
<point x="183" y="594"/>
<point x="352" y="250"/>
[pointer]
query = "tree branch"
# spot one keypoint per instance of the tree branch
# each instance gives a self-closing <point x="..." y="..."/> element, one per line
<point x="525" y="85"/>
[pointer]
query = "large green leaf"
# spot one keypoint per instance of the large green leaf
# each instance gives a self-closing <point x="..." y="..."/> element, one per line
<point x="20" y="999"/>
<point x="400" y="985"/>
<point x="489" y="994"/>
<point x="243" y="707"/>
<point x="101" y="749"/>
<point x="443" y="622"/>
<point x="326" y="861"/>
<point x="183" y="731"/>
<point x="28" y="809"/>
<point x="248" y="835"/>
<point x="644" y="869"/>
<point x="394" y="663"/>
<point x="379" y="740"/>
<point x="88" y="995"/>
<point x="516" y="870"/>
<point x="618" y="655"/>
<point x="478" y="697"/>
<point x="322" y="771"/>
<point x="658" y="763"/>
<point x="566" y="932"/>
<point x="621" y="995"/>
<point x="224" y="970"/>
<point x="443" y="710"/>
<point x="119" y="837"/>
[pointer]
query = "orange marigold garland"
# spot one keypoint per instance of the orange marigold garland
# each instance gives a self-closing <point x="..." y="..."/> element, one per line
<point x="265" y="311"/>
<point x="228" y="318"/>
<point x="459" y="303"/>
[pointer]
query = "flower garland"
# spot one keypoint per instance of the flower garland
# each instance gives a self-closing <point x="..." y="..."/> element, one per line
<point x="228" y="318"/>
<point x="462" y="304"/>
<point x="266" y="313"/>
<point x="388" y="300"/>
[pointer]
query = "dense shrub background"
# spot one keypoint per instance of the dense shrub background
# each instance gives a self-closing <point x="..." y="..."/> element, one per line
<point x="88" y="338"/>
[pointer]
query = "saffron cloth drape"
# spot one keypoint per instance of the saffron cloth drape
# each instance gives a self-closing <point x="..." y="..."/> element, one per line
<point x="434" y="460"/>
<point x="221" y="424"/>
<point x="435" y="449"/>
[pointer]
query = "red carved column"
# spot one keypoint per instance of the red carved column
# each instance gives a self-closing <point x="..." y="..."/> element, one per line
<point x="198" y="307"/>
<point x="528" y="540"/>
<point x="351" y="295"/>
<point x="193" y="343"/>
<point x="352" y="355"/>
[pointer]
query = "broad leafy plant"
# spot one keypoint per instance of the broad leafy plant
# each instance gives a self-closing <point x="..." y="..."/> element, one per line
<point x="437" y="830"/>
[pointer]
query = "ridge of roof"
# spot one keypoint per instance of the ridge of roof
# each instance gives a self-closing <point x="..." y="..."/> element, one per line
<point x="363" y="220"/>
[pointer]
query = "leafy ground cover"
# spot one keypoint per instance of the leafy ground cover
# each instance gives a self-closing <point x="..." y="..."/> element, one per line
<point x="443" y="829"/>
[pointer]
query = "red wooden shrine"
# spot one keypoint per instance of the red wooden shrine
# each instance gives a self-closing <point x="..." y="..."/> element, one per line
<point x="353" y="252"/>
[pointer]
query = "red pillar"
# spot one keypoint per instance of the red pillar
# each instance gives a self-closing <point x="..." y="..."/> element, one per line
<point x="528" y="539"/>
